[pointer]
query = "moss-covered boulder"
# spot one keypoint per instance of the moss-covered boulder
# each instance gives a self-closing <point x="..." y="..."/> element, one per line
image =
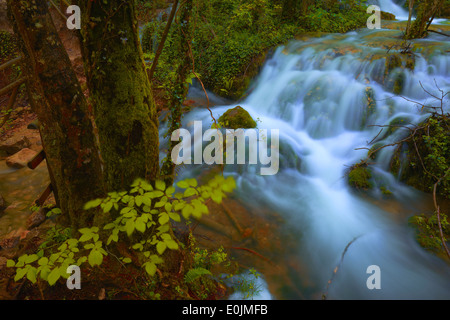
<point x="237" y="118"/>
<point x="359" y="177"/>
<point x="387" y="16"/>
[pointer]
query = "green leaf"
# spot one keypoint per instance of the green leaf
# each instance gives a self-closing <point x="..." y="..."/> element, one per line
<point x="174" y="216"/>
<point x="31" y="275"/>
<point x="20" y="273"/>
<point x="163" y="218"/>
<point x="86" y="237"/>
<point x="95" y="258"/>
<point x="169" y="191"/>
<point x="187" y="210"/>
<point x="171" y="244"/>
<point x="10" y="263"/>
<point x="190" y="192"/>
<point x="53" y="276"/>
<point x="109" y="226"/>
<point x="92" y="204"/>
<point x="140" y="225"/>
<point x="180" y="205"/>
<point x="183" y="184"/>
<point x="138" y="200"/>
<point x="192" y="182"/>
<point x="129" y="227"/>
<point x="126" y="260"/>
<point x="161" y="247"/>
<point x="43" y="261"/>
<point x="150" y="268"/>
<point x="108" y="207"/>
<point x="160" y="185"/>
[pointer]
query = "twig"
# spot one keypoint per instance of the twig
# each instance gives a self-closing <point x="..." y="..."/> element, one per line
<point x="253" y="252"/>
<point x="441" y="233"/>
<point x="163" y="40"/>
<point x="324" y="296"/>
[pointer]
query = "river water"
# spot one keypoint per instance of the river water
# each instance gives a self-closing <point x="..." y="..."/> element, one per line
<point x="313" y="92"/>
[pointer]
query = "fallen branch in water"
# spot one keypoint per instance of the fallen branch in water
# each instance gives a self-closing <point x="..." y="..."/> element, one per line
<point x="324" y="295"/>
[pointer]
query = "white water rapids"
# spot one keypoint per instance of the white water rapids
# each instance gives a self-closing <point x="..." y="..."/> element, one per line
<point x="314" y="95"/>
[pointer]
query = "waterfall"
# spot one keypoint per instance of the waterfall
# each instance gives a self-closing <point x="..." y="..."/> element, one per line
<point x="313" y="92"/>
<point x="397" y="9"/>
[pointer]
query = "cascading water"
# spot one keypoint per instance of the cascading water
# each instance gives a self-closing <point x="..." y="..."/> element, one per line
<point x="313" y="92"/>
<point x="395" y="8"/>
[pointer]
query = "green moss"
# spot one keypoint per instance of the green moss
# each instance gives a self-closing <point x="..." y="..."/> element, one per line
<point x="369" y="103"/>
<point x="237" y="118"/>
<point x="387" y="16"/>
<point x="420" y="169"/>
<point x="359" y="177"/>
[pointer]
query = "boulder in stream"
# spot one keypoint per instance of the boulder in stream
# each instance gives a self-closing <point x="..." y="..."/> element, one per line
<point x="13" y="145"/>
<point x="237" y="118"/>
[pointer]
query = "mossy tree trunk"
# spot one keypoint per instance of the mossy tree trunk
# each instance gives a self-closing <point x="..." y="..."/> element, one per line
<point x="426" y="11"/>
<point x="183" y="36"/>
<point x="121" y="95"/>
<point x="65" y="126"/>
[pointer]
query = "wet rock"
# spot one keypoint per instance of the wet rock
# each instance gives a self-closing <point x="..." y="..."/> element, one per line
<point x="14" y="145"/>
<point x="21" y="158"/>
<point x="237" y="118"/>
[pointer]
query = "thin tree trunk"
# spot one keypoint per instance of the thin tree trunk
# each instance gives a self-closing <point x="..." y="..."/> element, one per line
<point x="180" y="88"/>
<point x="121" y="95"/>
<point x="408" y="25"/>
<point x="56" y="97"/>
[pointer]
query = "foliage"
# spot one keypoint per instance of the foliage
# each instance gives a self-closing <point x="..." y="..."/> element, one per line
<point x="337" y="19"/>
<point x="246" y="284"/>
<point x="8" y="46"/>
<point x="143" y="214"/>
<point x="427" y="229"/>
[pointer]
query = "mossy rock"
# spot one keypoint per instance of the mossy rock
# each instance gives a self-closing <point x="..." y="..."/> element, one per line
<point x="237" y="118"/>
<point x="359" y="177"/>
<point x="369" y="104"/>
<point x="387" y="16"/>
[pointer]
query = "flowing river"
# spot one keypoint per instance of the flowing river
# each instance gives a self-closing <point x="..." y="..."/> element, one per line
<point x="313" y="91"/>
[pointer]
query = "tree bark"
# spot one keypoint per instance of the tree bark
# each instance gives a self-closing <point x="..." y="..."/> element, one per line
<point x="426" y="11"/>
<point x="180" y="88"/>
<point x="121" y="95"/>
<point x="55" y="96"/>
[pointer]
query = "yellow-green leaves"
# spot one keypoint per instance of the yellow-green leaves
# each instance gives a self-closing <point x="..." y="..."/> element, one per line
<point x="144" y="212"/>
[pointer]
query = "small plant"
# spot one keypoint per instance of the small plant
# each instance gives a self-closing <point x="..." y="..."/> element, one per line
<point x="141" y="214"/>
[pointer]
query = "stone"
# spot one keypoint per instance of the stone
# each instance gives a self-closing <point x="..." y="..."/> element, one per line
<point x="33" y="125"/>
<point x="13" y="145"/>
<point x="237" y="118"/>
<point x="21" y="158"/>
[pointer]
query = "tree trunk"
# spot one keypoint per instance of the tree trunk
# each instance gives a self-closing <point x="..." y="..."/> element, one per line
<point x="426" y="11"/>
<point x="411" y="7"/>
<point x="121" y="95"/>
<point x="56" y="97"/>
<point x="180" y="88"/>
